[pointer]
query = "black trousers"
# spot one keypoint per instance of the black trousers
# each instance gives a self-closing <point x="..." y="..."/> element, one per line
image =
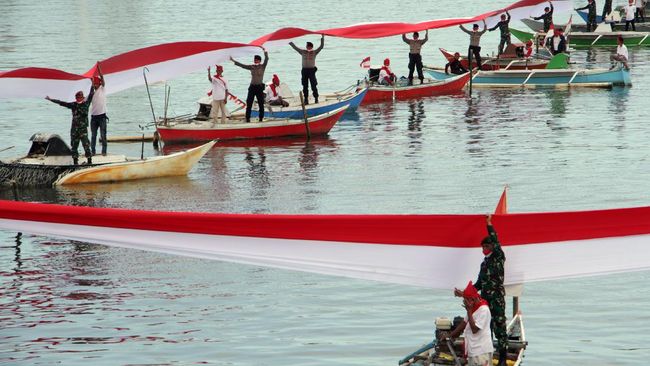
<point x="476" y="51"/>
<point x="98" y="122"/>
<point x="415" y="61"/>
<point x="627" y="25"/>
<point x="255" y="91"/>
<point x="309" y="77"/>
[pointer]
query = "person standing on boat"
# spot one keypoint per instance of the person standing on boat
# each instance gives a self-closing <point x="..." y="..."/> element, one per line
<point x="504" y="28"/>
<point x="591" y="15"/>
<point x="455" y="66"/>
<point x="475" y="328"/>
<point x="630" y="11"/>
<point x="640" y="10"/>
<point x="386" y="76"/>
<point x="79" y="127"/>
<point x="98" y="118"/>
<point x="474" y="42"/>
<point x="256" y="88"/>
<point x="490" y="282"/>
<point x="415" y="58"/>
<point x="272" y="92"/>
<point x="219" y="94"/>
<point x="607" y="9"/>
<point x="621" y="53"/>
<point x="557" y="43"/>
<point x="547" y="17"/>
<point x="309" y="68"/>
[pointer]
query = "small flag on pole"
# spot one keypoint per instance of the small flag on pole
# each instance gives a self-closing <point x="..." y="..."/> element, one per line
<point x="365" y="63"/>
<point x="502" y="206"/>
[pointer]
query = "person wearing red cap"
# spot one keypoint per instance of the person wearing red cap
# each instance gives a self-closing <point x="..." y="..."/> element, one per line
<point x="455" y="66"/>
<point x="272" y="92"/>
<point x="475" y="328"/>
<point x="491" y="284"/>
<point x="98" y="118"/>
<point x="528" y="50"/>
<point x="386" y="76"/>
<point x="219" y="94"/>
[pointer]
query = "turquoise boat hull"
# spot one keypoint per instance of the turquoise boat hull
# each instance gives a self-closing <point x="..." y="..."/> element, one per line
<point x="567" y="77"/>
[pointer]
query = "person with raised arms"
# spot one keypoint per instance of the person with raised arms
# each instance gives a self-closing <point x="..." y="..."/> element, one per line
<point x="504" y="28"/>
<point x="79" y="127"/>
<point x="547" y="17"/>
<point x="475" y="42"/>
<point x="591" y="15"/>
<point x="256" y="87"/>
<point x="98" y="118"/>
<point x="415" y="57"/>
<point x="308" y="72"/>
<point x="219" y="94"/>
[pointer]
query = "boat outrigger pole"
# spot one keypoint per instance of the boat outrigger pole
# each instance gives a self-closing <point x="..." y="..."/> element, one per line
<point x="155" y="123"/>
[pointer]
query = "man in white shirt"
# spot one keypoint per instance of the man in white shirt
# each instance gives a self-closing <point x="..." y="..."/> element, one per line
<point x="272" y="92"/>
<point x="621" y="53"/>
<point x="475" y="328"/>
<point x="98" y="118"/>
<point x="630" y="12"/>
<point x="219" y="94"/>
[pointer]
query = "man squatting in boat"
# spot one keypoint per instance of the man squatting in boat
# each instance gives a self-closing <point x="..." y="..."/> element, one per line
<point x="504" y="28"/>
<point x="455" y="66"/>
<point x="475" y="328"/>
<point x="415" y="58"/>
<point x="79" y="127"/>
<point x="474" y="43"/>
<point x="308" y="72"/>
<point x="256" y="88"/>
<point x="490" y="283"/>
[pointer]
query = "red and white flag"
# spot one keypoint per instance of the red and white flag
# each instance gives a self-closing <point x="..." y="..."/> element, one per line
<point x="365" y="63"/>
<point x="502" y="206"/>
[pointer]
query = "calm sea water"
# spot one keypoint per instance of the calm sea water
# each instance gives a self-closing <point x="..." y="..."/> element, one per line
<point x="79" y="303"/>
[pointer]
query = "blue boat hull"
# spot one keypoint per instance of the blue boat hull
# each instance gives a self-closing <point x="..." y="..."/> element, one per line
<point x="293" y="112"/>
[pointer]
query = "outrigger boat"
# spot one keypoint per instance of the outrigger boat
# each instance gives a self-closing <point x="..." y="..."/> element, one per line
<point x="511" y="59"/>
<point x="402" y="91"/>
<point x="598" y="38"/>
<point x="446" y="353"/>
<point x="49" y="162"/>
<point x="555" y="76"/>
<point x="200" y="128"/>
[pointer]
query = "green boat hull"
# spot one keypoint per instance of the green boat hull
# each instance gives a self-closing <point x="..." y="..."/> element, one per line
<point x="585" y="39"/>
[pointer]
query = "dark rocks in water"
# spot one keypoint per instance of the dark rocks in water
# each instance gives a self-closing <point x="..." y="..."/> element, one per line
<point x="33" y="175"/>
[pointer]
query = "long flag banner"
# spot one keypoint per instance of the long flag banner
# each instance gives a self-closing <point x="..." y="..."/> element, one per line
<point x="171" y="60"/>
<point x="519" y="10"/>
<point x="436" y="251"/>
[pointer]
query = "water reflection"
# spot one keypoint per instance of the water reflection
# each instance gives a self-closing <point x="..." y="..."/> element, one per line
<point x="558" y="99"/>
<point x="257" y="172"/>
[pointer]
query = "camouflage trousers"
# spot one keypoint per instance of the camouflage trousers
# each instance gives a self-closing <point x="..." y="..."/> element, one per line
<point x="78" y="134"/>
<point x="498" y="324"/>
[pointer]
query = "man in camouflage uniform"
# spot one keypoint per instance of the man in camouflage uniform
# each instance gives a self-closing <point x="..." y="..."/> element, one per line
<point x="547" y="17"/>
<point x="490" y="283"/>
<point x="504" y="28"/>
<point x="79" y="128"/>
<point x="591" y="15"/>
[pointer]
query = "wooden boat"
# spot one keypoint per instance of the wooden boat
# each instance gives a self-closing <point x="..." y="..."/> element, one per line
<point x="327" y="103"/>
<point x="618" y="24"/>
<point x="49" y="162"/>
<point x="402" y="91"/>
<point x="595" y="78"/>
<point x="441" y="353"/>
<point x="200" y="128"/>
<point x="595" y="39"/>
<point x="507" y="61"/>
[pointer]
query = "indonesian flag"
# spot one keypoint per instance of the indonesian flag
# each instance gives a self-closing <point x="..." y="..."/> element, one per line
<point x="437" y="251"/>
<point x="365" y="63"/>
<point x="550" y="33"/>
<point x="502" y="206"/>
